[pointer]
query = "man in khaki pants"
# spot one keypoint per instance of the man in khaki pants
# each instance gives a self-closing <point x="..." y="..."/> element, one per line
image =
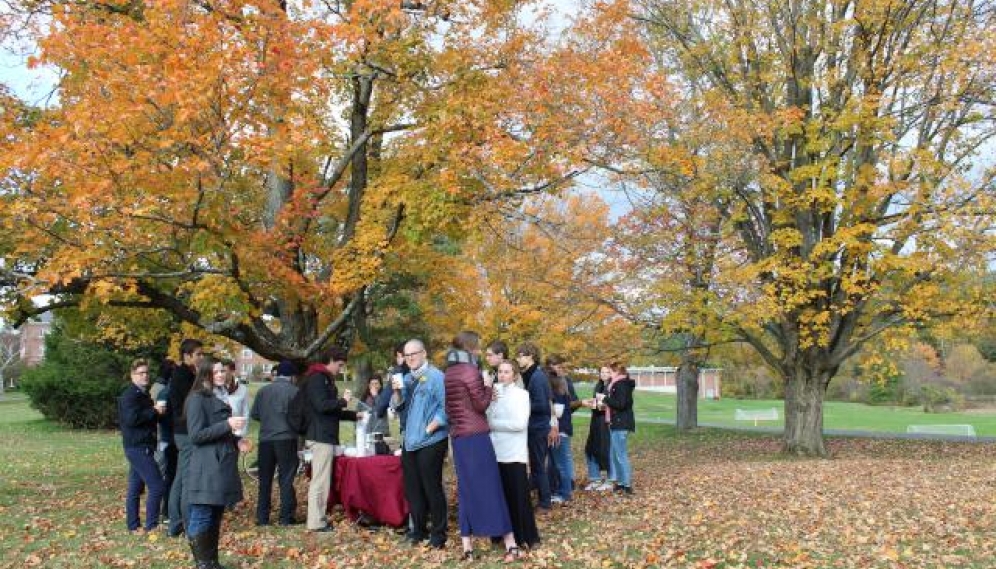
<point x="325" y="410"/>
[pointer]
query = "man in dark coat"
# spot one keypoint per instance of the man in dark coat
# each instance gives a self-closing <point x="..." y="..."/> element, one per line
<point x="179" y="386"/>
<point x="138" y="417"/>
<point x="540" y="429"/>
<point x="325" y="410"/>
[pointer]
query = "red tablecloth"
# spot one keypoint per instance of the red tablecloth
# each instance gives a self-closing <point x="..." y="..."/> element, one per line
<point x="373" y="484"/>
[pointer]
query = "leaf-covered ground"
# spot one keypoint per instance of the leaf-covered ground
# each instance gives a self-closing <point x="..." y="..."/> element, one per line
<point x="712" y="499"/>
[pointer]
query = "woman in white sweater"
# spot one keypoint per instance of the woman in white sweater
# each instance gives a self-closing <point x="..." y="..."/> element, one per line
<point x="508" y="417"/>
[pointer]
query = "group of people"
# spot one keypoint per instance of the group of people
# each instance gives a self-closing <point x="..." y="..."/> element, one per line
<point x="508" y="421"/>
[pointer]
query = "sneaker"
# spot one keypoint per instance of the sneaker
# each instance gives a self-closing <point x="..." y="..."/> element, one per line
<point x="556" y="500"/>
<point x="593" y="485"/>
<point x="605" y="486"/>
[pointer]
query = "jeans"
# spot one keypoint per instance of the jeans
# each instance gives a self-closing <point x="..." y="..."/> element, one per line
<point x="203" y="518"/>
<point x="564" y="461"/>
<point x="281" y="457"/>
<point x="423" y="477"/>
<point x="178" y="504"/>
<point x="620" y="470"/>
<point x="539" y="454"/>
<point x="143" y="472"/>
<point x="594" y="469"/>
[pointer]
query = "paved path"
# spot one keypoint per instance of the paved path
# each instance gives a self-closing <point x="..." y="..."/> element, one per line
<point x="831" y="432"/>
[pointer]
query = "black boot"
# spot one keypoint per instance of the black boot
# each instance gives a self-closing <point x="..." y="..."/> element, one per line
<point x="199" y="546"/>
<point x="215" y="536"/>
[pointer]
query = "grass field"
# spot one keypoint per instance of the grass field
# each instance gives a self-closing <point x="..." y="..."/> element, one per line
<point x="836" y="414"/>
<point x="711" y="499"/>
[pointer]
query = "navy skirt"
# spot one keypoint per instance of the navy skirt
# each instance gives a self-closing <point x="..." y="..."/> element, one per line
<point x="482" y="508"/>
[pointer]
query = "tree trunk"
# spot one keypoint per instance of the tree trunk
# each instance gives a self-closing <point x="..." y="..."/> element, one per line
<point x="804" y="394"/>
<point x="688" y="394"/>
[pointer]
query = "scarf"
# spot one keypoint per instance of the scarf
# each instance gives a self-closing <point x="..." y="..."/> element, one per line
<point x="456" y="356"/>
<point x="419" y="373"/>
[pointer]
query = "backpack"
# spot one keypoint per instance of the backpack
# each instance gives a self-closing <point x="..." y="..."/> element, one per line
<point x="297" y="411"/>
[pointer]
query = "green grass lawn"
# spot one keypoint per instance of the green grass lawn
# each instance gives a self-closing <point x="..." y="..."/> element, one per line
<point x="836" y="414"/>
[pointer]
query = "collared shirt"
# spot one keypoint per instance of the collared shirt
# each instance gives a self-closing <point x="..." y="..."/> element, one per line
<point x="424" y="400"/>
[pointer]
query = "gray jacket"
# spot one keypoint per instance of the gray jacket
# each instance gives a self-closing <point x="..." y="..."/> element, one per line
<point x="270" y="409"/>
<point x="214" y="460"/>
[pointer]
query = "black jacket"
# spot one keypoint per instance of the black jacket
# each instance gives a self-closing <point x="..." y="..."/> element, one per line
<point x="325" y="408"/>
<point x="137" y="417"/>
<point x="620" y="400"/>
<point x="179" y="387"/>
<point x="214" y="459"/>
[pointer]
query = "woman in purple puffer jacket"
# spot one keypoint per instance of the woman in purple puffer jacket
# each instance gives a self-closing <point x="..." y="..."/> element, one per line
<point x="482" y="508"/>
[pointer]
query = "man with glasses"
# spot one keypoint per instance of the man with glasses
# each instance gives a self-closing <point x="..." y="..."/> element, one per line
<point x="424" y="445"/>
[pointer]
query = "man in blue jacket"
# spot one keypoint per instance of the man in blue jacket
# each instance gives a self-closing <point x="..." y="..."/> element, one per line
<point x="540" y="430"/>
<point x="138" y="419"/>
<point x="425" y="443"/>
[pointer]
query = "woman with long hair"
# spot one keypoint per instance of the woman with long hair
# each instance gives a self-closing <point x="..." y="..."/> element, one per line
<point x="482" y="508"/>
<point x="213" y="481"/>
<point x="619" y="416"/>
<point x="596" y="448"/>
<point x="508" y="418"/>
<point x="378" y="419"/>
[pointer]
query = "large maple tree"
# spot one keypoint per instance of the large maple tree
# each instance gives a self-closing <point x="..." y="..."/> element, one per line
<point x="868" y="206"/>
<point x="250" y="168"/>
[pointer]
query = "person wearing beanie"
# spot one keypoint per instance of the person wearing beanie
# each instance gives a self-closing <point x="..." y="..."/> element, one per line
<point x="277" y="444"/>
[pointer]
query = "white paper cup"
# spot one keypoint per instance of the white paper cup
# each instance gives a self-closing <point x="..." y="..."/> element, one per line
<point x="558" y="409"/>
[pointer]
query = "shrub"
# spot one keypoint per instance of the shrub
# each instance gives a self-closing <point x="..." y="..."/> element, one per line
<point x="940" y="399"/>
<point x="79" y="381"/>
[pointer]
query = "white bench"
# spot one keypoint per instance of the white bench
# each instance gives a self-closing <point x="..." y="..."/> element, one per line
<point x="956" y="430"/>
<point x="756" y="415"/>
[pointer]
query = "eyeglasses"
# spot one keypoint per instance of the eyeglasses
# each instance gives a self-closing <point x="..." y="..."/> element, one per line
<point x="413" y="354"/>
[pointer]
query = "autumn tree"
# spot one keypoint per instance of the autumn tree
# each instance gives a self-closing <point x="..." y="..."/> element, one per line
<point x="533" y="271"/>
<point x="252" y="168"/>
<point x="864" y="120"/>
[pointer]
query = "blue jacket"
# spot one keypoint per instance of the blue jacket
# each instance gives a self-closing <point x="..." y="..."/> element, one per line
<point x="422" y="401"/>
<point x="540" y="394"/>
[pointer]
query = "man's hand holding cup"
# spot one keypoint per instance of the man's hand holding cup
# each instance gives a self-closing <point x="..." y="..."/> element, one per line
<point x="236" y="423"/>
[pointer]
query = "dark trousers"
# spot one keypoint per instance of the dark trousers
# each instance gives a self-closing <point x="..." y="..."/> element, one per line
<point x="280" y="457"/>
<point x="166" y="459"/>
<point x="423" y="477"/>
<point x="539" y="458"/>
<point x="143" y="472"/>
<point x="178" y="504"/>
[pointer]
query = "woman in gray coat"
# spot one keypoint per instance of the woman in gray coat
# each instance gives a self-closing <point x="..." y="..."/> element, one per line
<point x="213" y="477"/>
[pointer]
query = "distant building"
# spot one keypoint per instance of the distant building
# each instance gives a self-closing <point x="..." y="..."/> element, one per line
<point x="33" y="334"/>
<point x="665" y="379"/>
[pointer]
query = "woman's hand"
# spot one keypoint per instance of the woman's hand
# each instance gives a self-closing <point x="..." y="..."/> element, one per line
<point x="245" y="445"/>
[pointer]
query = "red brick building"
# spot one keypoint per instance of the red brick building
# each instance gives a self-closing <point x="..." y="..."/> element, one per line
<point x="32" y="335"/>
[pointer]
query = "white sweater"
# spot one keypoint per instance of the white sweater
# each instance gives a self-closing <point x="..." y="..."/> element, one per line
<point x="508" y="417"/>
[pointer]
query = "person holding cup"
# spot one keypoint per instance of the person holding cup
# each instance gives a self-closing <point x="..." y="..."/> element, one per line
<point x="213" y="480"/>
<point x="565" y="401"/>
<point x="138" y="419"/>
